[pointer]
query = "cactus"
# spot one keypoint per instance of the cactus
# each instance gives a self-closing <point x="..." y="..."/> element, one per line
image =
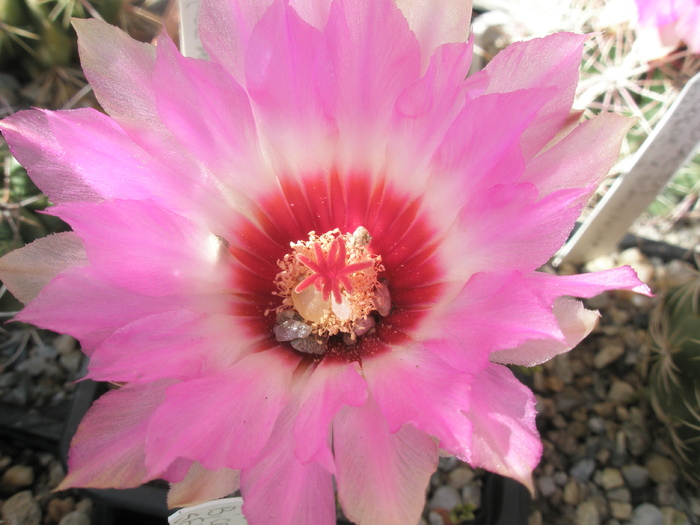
<point x="36" y="38"/>
<point x="674" y="376"/>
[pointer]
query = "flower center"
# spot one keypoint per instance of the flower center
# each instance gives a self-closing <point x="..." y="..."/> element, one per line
<point x="330" y="287"/>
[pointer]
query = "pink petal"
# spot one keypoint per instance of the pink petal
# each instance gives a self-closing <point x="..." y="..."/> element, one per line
<point x="575" y="322"/>
<point x="108" y="448"/>
<point x="492" y="312"/>
<point x="424" y="112"/>
<point x="688" y="27"/>
<point x="412" y="386"/>
<point x="550" y="62"/>
<point x="181" y="344"/>
<point x="83" y="155"/>
<point x="80" y="303"/>
<point x="282" y="490"/>
<point x="569" y="164"/>
<point x="201" y="485"/>
<point x="313" y="12"/>
<point x="27" y="270"/>
<point x="329" y="387"/>
<point x="374" y="57"/>
<point x="225" y="27"/>
<point x="381" y="475"/>
<point x="505" y="438"/>
<point x="508" y="227"/>
<point x="437" y="22"/>
<point x="226" y="139"/>
<point x="482" y="148"/>
<point x="236" y="409"/>
<point x="33" y="143"/>
<point x="120" y="72"/>
<point x="286" y="71"/>
<point x="142" y="247"/>
<point x="586" y="285"/>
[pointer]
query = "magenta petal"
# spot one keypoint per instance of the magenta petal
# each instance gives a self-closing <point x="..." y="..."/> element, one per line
<point x="493" y="311"/>
<point x="415" y="387"/>
<point x="286" y="70"/>
<point x="437" y="22"/>
<point x="505" y="438"/>
<point x="120" y="72"/>
<point x="95" y="312"/>
<point x="502" y="228"/>
<point x="381" y="475"/>
<point x="181" y="344"/>
<point x="225" y="27"/>
<point x="282" y="490"/>
<point x="206" y="110"/>
<point x="108" y="448"/>
<point x="482" y="148"/>
<point x="27" y="270"/>
<point x="423" y="113"/>
<point x="586" y="285"/>
<point x="329" y="387"/>
<point x="142" y="247"/>
<point x="374" y="57"/>
<point x="550" y="62"/>
<point x="569" y="163"/>
<point x="33" y="142"/>
<point x="201" y="485"/>
<point x="575" y="322"/>
<point x="255" y="391"/>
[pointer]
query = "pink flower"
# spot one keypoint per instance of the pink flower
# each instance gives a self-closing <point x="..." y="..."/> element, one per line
<point x="309" y="258"/>
<point x="675" y="20"/>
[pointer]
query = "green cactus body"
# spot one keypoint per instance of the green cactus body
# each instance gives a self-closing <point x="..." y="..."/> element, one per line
<point x="674" y="377"/>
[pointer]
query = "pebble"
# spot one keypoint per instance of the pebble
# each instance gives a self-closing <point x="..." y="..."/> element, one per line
<point x="608" y="355"/>
<point x="666" y="494"/>
<point x="661" y="469"/>
<point x="58" y="508"/>
<point x="636" y="476"/>
<point x="546" y="486"/>
<point x="471" y="494"/>
<point x="535" y="518"/>
<point x="621" y="392"/>
<point x="611" y="478"/>
<point x="56" y="473"/>
<point x="448" y="463"/>
<point x="619" y="494"/>
<point x="587" y="513"/>
<point x="459" y="477"/>
<point x="445" y="497"/>
<point x="435" y="518"/>
<point x="620" y="510"/>
<point x="75" y="518"/>
<point x="64" y="344"/>
<point x="646" y="514"/>
<point x="583" y="469"/>
<point x="568" y="399"/>
<point x="71" y="361"/>
<point x="22" y="509"/>
<point x="673" y="516"/>
<point x="17" y="476"/>
<point x="572" y="492"/>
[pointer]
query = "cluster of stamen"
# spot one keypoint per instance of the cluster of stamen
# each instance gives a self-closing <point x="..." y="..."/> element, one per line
<point x="330" y="287"/>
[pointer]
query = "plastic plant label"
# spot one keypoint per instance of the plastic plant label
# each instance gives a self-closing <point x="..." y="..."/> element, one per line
<point x="190" y="45"/>
<point x="218" y="512"/>
<point x="672" y="143"/>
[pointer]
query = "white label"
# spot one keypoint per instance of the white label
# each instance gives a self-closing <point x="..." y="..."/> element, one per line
<point x="218" y="512"/>
<point x="671" y="144"/>
<point x="190" y="45"/>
